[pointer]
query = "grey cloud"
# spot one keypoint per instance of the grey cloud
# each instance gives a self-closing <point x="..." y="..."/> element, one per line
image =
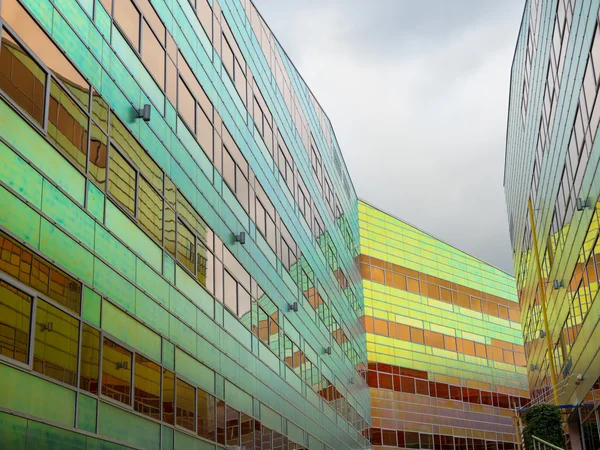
<point x="417" y="93"/>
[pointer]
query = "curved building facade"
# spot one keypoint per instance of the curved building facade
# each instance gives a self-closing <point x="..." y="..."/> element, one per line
<point x="552" y="161"/>
<point x="178" y="234"/>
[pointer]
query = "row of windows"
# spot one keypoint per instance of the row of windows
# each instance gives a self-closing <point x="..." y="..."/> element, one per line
<point x="410" y="439"/>
<point x="502" y="352"/>
<point x="116" y="372"/>
<point x="399" y="379"/>
<point x="399" y="277"/>
<point x="132" y="178"/>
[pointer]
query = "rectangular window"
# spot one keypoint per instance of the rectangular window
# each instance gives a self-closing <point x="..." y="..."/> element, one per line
<point x="220" y="422"/>
<point x="150" y="210"/>
<point x="56" y="342"/>
<point x="206" y="415"/>
<point x="186" y="105"/>
<point x="15" y="322"/>
<point x="146" y="396"/>
<point x="128" y="18"/>
<point x="116" y="372"/>
<point x="67" y="125"/>
<point x="153" y="54"/>
<point x="97" y="156"/>
<point x="90" y="357"/>
<point x="21" y="78"/>
<point x="233" y="427"/>
<point x="168" y="397"/>
<point x="247" y="431"/>
<point x="186" y="247"/>
<point x="122" y="180"/>
<point x="186" y="400"/>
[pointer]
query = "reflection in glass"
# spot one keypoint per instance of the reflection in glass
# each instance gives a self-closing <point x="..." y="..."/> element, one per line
<point x="90" y="357"/>
<point x="206" y="415"/>
<point x="186" y="244"/>
<point x="146" y="394"/>
<point x="232" y="427"/>
<point x="97" y="156"/>
<point x="56" y="342"/>
<point x="116" y="372"/>
<point x="168" y="397"/>
<point x="67" y="125"/>
<point x="150" y="210"/>
<point x="121" y="180"/>
<point x="15" y="322"/>
<point x="186" y="398"/>
<point x="170" y="230"/>
<point x="21" y="78"/>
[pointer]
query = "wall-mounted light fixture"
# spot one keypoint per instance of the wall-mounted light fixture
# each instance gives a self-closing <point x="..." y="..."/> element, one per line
<point x="542" y="334"/>
<point x="46" y="326"/>
<point x="328" y="350"/>
<point x="582" y="203"/>
<point x="144" y="113"/>
<point x="123" y="365"/>
<point x="241" y="238"/>
<point x="532" y="367"/>
<point x="293" y="306"/>
<point x="558" y="284"/>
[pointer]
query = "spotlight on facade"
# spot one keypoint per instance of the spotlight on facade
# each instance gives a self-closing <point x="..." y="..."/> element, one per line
<point x="582" y="203"/>
<point x="328" y="350"/>
<point x="558" y="284"/>
<point x="532" y="367"/>
<point x="241" y="238"/>
<point x="144" y="113"/>
<point x="579" y="379"/>
<point x="294" y="306"/>
<point x="542" y="334"/>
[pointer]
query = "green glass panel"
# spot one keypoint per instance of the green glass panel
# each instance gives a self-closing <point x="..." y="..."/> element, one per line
<point x="66" y="252"/>
<point x="67" y="214"/>
<point x="128" y="428"/>
<point x="40" y="435"/>
<point x="91" y="306"/>
<point x="13" y="430"/>
<point x="270" y="418"/>
<point x="95" y="201"/>
<point x="167" y="438"/>
<point x="168" y="267"/>
<point x="37" y="397"/>
<point x="182" y="335"/>
<point x="130" y="331"/>
<point x="194" y="371"/>
<point x="168" y="355"/>
<point x="238" y="398"/>
<point x="86" y="413"/>
<point x="152" y="283"/>
<point x="114" y="253"/>
<point x="102" y="20"/>
<point x="182" y="307"/>
<point x="19" y="218"/>
<point x="187" y="442"/>
<point x="20" y="176"/>
<point x="114" y="286"/>
<point x="35" y="148"/>
<point x="151" y="313"/>
<point x="193" y="290"/>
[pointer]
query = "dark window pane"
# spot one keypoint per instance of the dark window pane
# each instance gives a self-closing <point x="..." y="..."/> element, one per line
<point x="247" y="431"/>
<point x="426" y="441"/>
<point x="146" y="393"/>
<point x="266" y="438"/>
<point x="168" y="397"/>
<point x="21" y="78"/>
<point x="186" y="398"/>
<point x="67" y="125"/>
<point x="220" y="422"/>
<point x="116" y="372"/>
<point x="90" y="356"/>
<point x="411" y="439"/>
<point x="389" y="437"/>
<point x="56" y="342"/>
<point x="232" y="430"/>
<point x="15" y="320"/>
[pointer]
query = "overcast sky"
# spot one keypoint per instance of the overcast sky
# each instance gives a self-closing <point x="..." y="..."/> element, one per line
<point x="417" y="93"/>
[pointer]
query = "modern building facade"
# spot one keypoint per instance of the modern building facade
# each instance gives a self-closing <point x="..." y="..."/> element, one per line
<point x="178" y="235"/>
<point x="552" y="160"/>
<point x="444" y="343"/>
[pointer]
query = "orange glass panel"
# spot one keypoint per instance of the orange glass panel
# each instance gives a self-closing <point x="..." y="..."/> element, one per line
<point x="417" y="335"/>
<point x="413" y="285"/>
<point x="381" y="327"/>
<point x="399" y="281"/>
<point x="450" y="343"/>
<point x="377" y="275"/>
<point x="480" y="350"/>
<point x="128" y="18"/>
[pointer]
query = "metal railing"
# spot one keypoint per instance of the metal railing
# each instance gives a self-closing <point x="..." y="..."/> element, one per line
<point x="540" y="444"/>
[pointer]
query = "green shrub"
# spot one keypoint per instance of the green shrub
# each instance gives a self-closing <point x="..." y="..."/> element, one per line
<point x="543" y="421"/>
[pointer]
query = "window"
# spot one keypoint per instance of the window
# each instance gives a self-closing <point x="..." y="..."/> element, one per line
<point x="247" y="431"/>
<point x="97" y="156"/>
<point x="235" y="173"/>
<point x="186" y="105"/>
<point x="186" y="247"/>
<point x="186" y="400"/>
<point x="220" y="422"/>
<point x="56" y="343"/>
<point x="232" y="427"/>
<point x="15" y="322"/>
<point x="285" y="165"/>
<point x="206" y="415"/>
<point x="146" y="396"/>
<point x="90" y="357"/>
<point x="153" y="54"/>
<point x="122" y="181"/>
<point x="67" y="125"/>
<point x="150" y="210"/>
<point x="168" y="397"/>
<point x="128" y="18"/>
<point x="116" y="372"/>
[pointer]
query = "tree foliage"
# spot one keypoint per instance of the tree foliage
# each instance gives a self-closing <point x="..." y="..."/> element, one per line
<point x="543" y="421"/>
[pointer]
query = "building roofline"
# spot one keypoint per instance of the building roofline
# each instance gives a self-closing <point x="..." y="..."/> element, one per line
<point x="311" y="92"/>
<point x="512" y="66"/>
<point x="433" y="237"/>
